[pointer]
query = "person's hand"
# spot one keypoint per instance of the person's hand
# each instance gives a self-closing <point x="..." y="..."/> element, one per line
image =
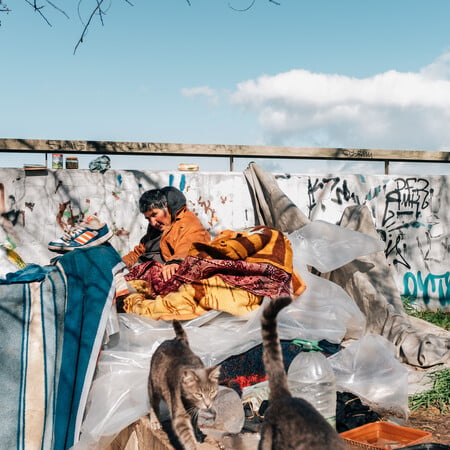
<point x="168" y="271"/>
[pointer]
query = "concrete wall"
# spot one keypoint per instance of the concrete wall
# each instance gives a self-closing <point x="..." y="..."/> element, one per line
<point x="411" y="213"/>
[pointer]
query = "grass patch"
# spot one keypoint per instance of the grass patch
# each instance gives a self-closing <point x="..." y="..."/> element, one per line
<point x="437" y="397"/>
<point x="438" y="317"/>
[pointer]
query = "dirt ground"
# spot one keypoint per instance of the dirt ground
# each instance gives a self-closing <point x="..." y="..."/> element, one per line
<point x="431" y="420"/>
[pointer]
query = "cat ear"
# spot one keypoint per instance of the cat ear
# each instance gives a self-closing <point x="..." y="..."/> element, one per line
<point x="214" y="373"/>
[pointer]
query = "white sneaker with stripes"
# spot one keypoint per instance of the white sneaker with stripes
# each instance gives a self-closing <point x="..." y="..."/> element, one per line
<point x="88" y="233"/>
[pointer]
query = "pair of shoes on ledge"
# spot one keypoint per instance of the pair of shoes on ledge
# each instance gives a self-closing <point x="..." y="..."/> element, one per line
<point x="88" y="233"/>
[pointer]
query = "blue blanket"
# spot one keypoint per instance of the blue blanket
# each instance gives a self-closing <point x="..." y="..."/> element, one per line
<point x="51" y="332"/>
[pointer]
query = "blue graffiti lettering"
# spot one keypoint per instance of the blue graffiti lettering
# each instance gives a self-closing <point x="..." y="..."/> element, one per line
<point x="417" y="286"/>
<point x="182" y="182"/>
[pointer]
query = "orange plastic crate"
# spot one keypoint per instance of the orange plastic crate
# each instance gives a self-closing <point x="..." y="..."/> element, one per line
<point x="383" y="435"/>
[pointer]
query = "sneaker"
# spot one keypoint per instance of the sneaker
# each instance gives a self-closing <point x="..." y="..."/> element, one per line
<point x="88" y="233"/>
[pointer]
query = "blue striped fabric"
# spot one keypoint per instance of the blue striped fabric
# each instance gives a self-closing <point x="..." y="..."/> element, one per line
<point x="31" y="337"/>
<point x="50" y="337"/>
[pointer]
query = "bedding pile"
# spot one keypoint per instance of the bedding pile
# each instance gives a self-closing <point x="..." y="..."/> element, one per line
<point x="231" y="274"/>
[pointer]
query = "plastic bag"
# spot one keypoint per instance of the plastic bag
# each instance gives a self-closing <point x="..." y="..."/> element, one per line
<point x="369" y="369"/>
<point x="326" y="246"/>
<point x="326" y="311"/>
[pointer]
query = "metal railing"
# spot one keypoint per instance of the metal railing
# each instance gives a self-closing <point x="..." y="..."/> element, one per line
<point x="48" y="146"/>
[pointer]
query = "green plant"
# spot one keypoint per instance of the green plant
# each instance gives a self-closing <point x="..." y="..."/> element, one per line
<point x="408" y="304"/>
<point x="438" y="317"/>
<point x="438" y="396"/>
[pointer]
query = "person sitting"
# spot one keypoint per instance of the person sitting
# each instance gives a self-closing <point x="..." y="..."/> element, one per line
<point x="172" y="228"/>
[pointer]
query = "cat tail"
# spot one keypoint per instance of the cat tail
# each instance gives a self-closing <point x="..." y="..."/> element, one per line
<point x="272" y="354"/>
<point x="179" y="331"/>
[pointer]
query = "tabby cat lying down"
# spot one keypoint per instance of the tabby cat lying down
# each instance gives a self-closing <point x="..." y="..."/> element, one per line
<point x="289" y="422"/>
<point x="179" y="377"/>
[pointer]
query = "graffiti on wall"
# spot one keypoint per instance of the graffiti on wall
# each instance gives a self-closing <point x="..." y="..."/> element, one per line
<point x="407" y="206"/>
<point x="428" y="286"/>
<point x="339" y="192"/>
<point x="9" y="209"/>
<point x="410" y="213"/>
<point x="409" y="217"/>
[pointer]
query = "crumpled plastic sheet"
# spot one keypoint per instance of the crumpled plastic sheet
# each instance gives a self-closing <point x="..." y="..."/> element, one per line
<point x="118" y="395"/>
<point x="327" y="247"/>
<point x="369" y="369"/>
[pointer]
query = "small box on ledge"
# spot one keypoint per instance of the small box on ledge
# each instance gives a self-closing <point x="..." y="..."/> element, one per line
<point x="71" y="162"/>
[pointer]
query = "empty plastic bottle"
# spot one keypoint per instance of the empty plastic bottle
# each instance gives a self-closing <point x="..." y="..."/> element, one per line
<point x="311" y="377"/>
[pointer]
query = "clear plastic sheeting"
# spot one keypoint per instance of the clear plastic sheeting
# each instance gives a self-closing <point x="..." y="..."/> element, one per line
<point x="325" y="309"/>
<point x="119" y="395"/>
<point x="369" y="369"/>
<point x="326" y="246"/>
<point x="325" y="306"/>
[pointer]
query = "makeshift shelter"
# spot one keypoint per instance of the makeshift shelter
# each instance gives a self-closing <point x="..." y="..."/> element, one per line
<point x="359" y="299"/>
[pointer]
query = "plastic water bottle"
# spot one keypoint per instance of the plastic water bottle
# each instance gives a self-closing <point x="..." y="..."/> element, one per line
<point x="311" y="377"/>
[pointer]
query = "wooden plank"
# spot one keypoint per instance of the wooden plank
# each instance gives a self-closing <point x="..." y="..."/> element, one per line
<point x="154" y="148"/>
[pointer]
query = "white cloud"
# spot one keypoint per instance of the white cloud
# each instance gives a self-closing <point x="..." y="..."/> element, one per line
<point x="391" y="110"/>
<point x="439" y="69"/>
<point x="201" y="91"/>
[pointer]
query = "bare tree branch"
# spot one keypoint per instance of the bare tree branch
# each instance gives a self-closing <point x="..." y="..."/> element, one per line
<point x="252" y="2"/>
<point x="100" y="13"/>
<point x="59" y="9"/>
<point x="38" y="10"/>
<point x="86" y="26"/>
<point x="98" y="9"/>
<point x="244" y="9"/>
<point x="4" y="9"/>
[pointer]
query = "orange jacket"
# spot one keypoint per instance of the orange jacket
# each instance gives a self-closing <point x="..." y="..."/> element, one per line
<point x="176" y="241"/>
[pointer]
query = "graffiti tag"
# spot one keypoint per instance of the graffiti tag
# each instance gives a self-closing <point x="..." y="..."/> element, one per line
<point x="339" y="190"/>
<point x="418" y="286"/>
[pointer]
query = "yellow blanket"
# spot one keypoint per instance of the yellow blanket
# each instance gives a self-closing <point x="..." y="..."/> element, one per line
<point x="192" y="300"/>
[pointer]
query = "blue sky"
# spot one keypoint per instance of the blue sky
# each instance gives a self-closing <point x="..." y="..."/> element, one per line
<point x="323" y="73"/>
